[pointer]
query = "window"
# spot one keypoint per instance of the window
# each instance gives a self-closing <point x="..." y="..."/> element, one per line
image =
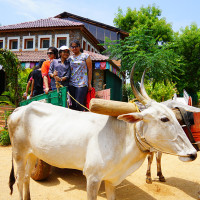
<point x="44" y="42"/>
<point x="84" y="45"/>
<point x="13" y="43"/>
<point x="28" y="43"/>
<point x="2" y="43"/>
<point x="61" y="40"/>
<point x="100" y="35"/>
<point x="88" y="47"/>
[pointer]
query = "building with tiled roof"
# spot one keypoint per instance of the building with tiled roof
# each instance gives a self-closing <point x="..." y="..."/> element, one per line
<point x="41" y="23"/>
<point x="30" y="41"/>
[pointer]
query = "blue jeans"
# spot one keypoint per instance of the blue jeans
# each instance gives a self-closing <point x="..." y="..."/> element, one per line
<point x="78" y="93"/>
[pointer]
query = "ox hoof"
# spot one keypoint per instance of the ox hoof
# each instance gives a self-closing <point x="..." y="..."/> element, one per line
<point x="162" y="179"/>
<point x="148" y="180"/>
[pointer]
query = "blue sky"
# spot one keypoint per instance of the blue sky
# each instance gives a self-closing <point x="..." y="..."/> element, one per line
<point x="180" y="13"/>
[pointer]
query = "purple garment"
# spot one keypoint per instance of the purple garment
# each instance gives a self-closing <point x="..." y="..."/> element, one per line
<point x="63" y="70"/>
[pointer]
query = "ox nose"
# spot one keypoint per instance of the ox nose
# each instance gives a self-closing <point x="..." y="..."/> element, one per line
<point x="193" y="156"/>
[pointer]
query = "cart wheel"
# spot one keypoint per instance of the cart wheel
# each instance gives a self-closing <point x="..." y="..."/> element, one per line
<point x="41" y="170"/>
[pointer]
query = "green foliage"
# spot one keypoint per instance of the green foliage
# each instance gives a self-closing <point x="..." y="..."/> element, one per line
<point x="146" y="18"/>
<point x="142" y="49"/>
<point x="4" y="137"/>
<point x="188" y="46"/>
<point x="5" y="99"/>
<point x="161" y="91"/>
<point x="127" y="93"/>
<point x="11" y="65"/>
<point x="8" y="97"/>
<point x="22" y="81"/>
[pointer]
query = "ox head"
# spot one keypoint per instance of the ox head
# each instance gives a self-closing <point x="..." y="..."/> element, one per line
<point x="159" y="127"/>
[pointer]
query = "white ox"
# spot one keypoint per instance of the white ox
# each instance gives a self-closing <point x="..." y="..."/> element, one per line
<point x="105" y="148"/>
<point x="170" y="104"/>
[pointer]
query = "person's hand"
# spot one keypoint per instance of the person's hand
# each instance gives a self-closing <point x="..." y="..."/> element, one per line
<point x="89" y="87"/>
<point x="57" y="78"/>
<point x="25" y="95"/>
<point x="46" y="90"/>
<point x="55" y="73"/>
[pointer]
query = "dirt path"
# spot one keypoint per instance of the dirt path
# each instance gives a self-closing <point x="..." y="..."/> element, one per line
<point x="183" y="182"/>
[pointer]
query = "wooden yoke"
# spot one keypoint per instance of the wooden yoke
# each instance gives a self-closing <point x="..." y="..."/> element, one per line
<point x="112" y="108"/>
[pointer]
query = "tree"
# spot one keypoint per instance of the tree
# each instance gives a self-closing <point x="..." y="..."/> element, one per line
<point x="188" y="47"/>
<point x="11" y="65"/>
<point x="161" y="60"/>
<point x="145" y="19"/>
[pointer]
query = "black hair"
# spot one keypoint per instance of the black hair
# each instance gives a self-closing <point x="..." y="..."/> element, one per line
<point x="81" y="50"/>
<point x="54" y="50"/>
<point x="76" y="42"/>
<point x="40" y="64"/>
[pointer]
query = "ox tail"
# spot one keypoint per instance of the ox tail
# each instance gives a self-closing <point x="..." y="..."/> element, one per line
<point x="12" y="178"/>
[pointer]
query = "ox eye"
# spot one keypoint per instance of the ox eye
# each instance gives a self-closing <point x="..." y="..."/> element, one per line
<point x="164" y="119"/>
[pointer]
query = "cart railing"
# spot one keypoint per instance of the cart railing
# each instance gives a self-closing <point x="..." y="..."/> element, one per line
<point x="53" y="97"/>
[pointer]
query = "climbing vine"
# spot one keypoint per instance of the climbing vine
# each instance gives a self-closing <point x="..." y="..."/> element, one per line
<point x="11" y="66"/>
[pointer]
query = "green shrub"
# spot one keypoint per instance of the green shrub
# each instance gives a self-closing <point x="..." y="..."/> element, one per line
<point x="4" y="137"/>
<point x="5" y="99"/>
<point x="160" y="91"/>
<point x="8" y="97"/>
<point x="127" y="93"/>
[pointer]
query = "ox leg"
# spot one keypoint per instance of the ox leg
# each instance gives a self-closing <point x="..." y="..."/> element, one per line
<point x="110" y="190"/>
<point x="29" y="167"/>
<point x="159" y="171"/>
<point x="148" y="174"/>
<point x="21" y="164"/>
<point x="93" y="184"/>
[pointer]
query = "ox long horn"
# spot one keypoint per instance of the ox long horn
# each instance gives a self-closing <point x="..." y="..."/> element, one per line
<point x="139" y="97"/>
<point x="142" y="88"/>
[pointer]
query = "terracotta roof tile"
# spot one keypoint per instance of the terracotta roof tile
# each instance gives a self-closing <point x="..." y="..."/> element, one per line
<point x="49" y="22"/>
<point x="35" y="56"/>
<point x="97" y="56"/>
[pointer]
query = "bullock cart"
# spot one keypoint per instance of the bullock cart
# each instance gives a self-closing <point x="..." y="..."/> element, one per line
<point x="105" y="148"/>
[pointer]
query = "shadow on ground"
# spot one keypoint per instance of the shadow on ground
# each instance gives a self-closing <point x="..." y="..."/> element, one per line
<point x="125" y="191"/>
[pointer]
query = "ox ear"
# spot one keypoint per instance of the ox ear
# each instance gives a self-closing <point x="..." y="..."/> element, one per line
<point x="131" y="117"/>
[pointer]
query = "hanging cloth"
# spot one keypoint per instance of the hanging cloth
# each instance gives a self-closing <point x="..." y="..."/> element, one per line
<point x="89" y="96"/>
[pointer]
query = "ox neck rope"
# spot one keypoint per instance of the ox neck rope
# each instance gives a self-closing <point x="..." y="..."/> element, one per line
<point x="144" y="146"/>
<point x="141" y="141"/>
